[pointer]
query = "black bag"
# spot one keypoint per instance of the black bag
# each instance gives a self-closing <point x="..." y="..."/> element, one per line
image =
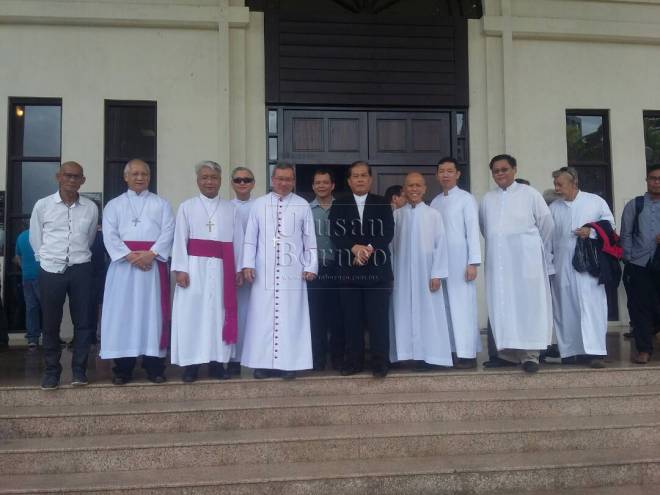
<point x="586" y="258"/>
<point x="654" y="262"/>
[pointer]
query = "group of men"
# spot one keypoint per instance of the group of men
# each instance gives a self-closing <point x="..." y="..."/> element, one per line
<point x="279" y="285"/>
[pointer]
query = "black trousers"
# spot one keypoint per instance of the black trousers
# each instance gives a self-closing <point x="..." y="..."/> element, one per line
<point x="327" y="325"/>
<point x="370" y="305"/>
<point x="153" y="365"/>
<point x="645" y="292"/>
<point x="626" y="285"/>
<point x="76" y="282"/>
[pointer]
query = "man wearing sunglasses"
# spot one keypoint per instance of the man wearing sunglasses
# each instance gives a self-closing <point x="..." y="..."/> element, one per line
<point x="242" y="182"/>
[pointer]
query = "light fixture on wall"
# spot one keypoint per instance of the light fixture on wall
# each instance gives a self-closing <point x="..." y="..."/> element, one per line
<point x="19" y="111"/>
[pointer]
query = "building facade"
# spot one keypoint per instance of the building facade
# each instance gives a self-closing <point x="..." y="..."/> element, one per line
<point x="321" y="84"/>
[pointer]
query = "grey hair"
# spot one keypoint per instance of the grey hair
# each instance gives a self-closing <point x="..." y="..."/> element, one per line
<point x="241" y="169"/>
<point x="127" y="167"/>
<point x="570" y="171"/>
<point x="208" y="164"/>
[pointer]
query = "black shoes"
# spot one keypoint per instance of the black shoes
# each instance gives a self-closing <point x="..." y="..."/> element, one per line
<point x="218" y="371"/>
<point x="50" y="382"/>
<point x="79" y="380"/>
<point x="157" y="379"/>
<point x="498" y="362"/>
<point x="380" y="371"/>
<point x="261" y="373"/>
<point x="190" y="373"/>
<point x="120" y="380"/>
<point x="288" y="375"/>
<point x="530" y="367"/>
<point x="348" y="370"/>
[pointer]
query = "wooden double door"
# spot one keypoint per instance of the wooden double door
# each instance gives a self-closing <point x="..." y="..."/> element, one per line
<point x="393" y="142"/>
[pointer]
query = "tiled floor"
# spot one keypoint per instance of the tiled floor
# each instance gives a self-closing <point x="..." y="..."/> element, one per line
<point x="21" y="366"/>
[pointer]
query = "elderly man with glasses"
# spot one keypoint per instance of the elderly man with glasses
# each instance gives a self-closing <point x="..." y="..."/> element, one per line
<point x="62" y="230"/>
<point x="579" y="301"/>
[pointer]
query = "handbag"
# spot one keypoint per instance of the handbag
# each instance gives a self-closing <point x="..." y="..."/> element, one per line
<point x="586" y="258"/>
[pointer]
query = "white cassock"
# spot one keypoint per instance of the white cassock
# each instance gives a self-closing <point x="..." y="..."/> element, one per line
<point x="243" y="292"/>
<point x="280" y="244"/>
<point x="131" y="323"/>
<point x="198" y="312"/>
<point x="419" y="320"/>
<point x="517" y="226"/>
<point x="460" y="216"/>
<point x="579" y="302"/>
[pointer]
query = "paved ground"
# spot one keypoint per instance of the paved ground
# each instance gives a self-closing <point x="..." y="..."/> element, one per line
<point x="21" y="366"/>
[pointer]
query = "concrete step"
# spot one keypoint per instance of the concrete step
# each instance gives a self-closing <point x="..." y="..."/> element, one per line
<point x="455" y="474"/>
<point x="325" y="443"/>
<point x="601" y="490"/>
<point x="397" y="382"/>
<point x="183" y="416"/>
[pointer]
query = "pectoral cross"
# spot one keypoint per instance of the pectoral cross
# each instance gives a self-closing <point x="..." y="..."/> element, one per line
<point x="210" y="225"/>
<point x="135" y="222"/>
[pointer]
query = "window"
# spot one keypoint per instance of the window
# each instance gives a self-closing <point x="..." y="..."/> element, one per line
<point x="33" y="158"/>
<point x="652" y="137"/>
<point x="130" y="132"/>
<point x="588" y="143"/>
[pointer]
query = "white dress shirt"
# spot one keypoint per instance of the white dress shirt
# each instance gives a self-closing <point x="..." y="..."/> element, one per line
<point x="61" y="235"/>
<point x="360" y="200"/>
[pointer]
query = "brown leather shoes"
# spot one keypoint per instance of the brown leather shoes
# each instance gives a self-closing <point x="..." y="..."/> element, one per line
<point x="642" y="358"/>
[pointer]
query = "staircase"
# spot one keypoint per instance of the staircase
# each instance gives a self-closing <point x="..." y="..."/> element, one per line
<point x="573" y="431"/>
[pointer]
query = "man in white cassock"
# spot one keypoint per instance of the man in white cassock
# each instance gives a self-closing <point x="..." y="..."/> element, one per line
<point x="138" y="228"/>
<point x="517" y="226"/>
<point x="578" y="300"/>
<point x="460" y="216"/>
<point x="205" y="257"/>
<point x="242" y="182"/>
<point x="419" y="329"/>
<point x="279" y="258"/>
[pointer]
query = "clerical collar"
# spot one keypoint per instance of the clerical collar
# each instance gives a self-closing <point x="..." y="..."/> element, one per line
<point x="453" y="190"/>
<point x="142" y="194"/>
<point x="210" y="200"/>
<point x="514" y="185"/>
<point x="242" y="200"/>
<point x="277" y="196"/>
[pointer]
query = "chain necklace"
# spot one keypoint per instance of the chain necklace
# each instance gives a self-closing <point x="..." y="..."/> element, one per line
<point x="210" y="223"/>
<point x="136" y="216"/>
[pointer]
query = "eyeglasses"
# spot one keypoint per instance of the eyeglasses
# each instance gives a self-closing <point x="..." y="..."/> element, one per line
<point x="242" y="180"/>
<point x="72" y="176"/>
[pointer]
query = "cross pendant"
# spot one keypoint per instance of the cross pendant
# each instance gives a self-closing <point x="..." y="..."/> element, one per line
<point x="135" y="222"/>
<point x="210" y="225"/>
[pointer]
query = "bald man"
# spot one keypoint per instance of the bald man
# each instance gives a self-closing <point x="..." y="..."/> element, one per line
<point x="419" y="254"/>
<point x="138" y="230"/>
<point x="62" y="230"/>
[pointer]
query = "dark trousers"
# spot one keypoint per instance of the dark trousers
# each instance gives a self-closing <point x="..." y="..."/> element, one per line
<point x="370" y="305"/>
<point x="76" y="282"/>
<point x="492" y="347"/>
<point x="153" y="365"/>
<point x="626" y="285"/>
<point x="327" y="325"/>
<point x="645" y="292"/>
